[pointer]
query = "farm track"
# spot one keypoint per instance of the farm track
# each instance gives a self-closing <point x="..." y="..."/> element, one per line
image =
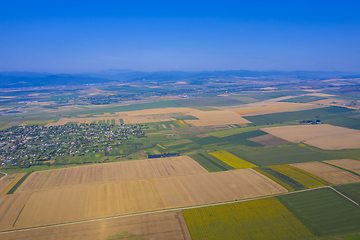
<point x="176" y="209"/>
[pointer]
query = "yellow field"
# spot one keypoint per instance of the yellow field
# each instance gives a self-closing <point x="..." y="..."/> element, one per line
<point x="232" y="160"/>
<point x="306" y="179"/>
<point x="182" y="123"/>
<point x="329" y="173"/>
<point x="155" y="226"/>
<point x="258" y="219"/>
<point x="348" y="164"/>
<point x="97" y="200"/>
<point x="323" y="136"/>
<point x="12" y="184"/>
<point x="111" y="172"/>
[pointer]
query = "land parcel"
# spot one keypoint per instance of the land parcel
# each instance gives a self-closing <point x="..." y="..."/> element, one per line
<point x="277" y="155"/>
<point x="91" y="201"/>
<point x="256" y="219"/>
<point x="323" y="211"/>
<point x="329" y="173"/>
<point x="322" y="136"/>
<point x="167" y="225"/>
<point x="348" y="164"/>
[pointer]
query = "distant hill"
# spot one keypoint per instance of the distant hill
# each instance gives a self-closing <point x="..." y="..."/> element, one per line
<point x="32" y="79"/>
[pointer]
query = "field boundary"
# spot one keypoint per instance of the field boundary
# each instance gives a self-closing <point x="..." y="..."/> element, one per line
<point x="4" y="175"/>
<point x="357" y="204"/>
<point x="164" y="210"/>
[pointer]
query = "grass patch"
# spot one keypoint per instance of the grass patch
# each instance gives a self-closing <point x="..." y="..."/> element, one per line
<point x="278" y="155"/>
<point x="323" y="211"/>
<point x="210" y="163"/>
<point x="185" y="117"/>
<point x="344" y="122"/>
<point x="257" y="219"/>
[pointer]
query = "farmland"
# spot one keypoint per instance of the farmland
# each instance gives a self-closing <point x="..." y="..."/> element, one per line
<point x="348" y="164"/>
<point x="210" y="163"/>
<point x="244" y="220"/>
<point x="279" y="155"/>
<point x="170" y="225"/>
<point x="97" y="200"/>
<point x="323" y="136"/>
<point x="232" y="160"/>
<point x="329" y="173"/>
<point x="112" y="172"/>
<point x="350" y="190"/>
<point x="304" y="178"/>
<point x="323" y="211"/>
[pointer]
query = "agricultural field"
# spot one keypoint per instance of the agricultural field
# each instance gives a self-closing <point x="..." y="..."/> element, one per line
<point x="350" y="190"/>
<point x="268" y="140"/>
<point x="347" y="122"/>
<point x="12" y="184"/>
<point x="210" y="163"/>
<point x="91" y="201"/>
<point x="331" y="174"/>
<point x="296" y="115"/>
<point x="323" y="211"/>
<point x="306" y="179"/>
<point x="348" y="164"/>
<point x="278" y="155"/>
<point x="244" y="138"/>
<point x="257" y="219"/>
<point x="232" y="160"/>
<point x="5" y="181"/>
<point x="322" y="136"/>
<point x="168" y="225"/>
<point x="112" y="172"/>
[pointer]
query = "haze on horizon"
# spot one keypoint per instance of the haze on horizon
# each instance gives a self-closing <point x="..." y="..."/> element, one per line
<point x="89" y="36"/>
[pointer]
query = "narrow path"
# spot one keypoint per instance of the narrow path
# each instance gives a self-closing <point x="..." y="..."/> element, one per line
<point x="345" y="196"/>
<point x="4" y="175"/>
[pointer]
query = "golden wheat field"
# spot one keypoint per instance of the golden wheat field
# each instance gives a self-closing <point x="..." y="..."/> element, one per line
<point x="6" y="180"/>
<point x="323" y="136"/>
<point x="120" y="171"/>
<point x="12" y="183"/>
<point x="97" y="200"/>
<point x="155" y="226"/>
<point x="329" y="173"/>
<point x="348" y="164"/>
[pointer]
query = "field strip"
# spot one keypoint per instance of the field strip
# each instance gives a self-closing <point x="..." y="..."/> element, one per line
<point x="161" y="211"/>
<point x="345" y="196"/>
<point x="4" y="175"/>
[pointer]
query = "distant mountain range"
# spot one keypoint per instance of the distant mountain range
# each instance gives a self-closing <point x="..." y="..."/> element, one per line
<point x="32" y="79"/>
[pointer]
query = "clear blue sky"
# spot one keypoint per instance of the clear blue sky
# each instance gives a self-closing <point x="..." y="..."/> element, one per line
<point x="88" y="36"/>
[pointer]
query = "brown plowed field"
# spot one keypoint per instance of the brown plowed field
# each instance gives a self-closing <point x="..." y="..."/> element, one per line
<point x="154" y="226"/>
<point x="348" y="164"/>
<point x="91" y="201"/>
<point x="5" y="181"/>
<point x="269" y="140"/>
<point x="121" y="171"/>
<point x="323" y="136"/>
<point x="329" y="173"/>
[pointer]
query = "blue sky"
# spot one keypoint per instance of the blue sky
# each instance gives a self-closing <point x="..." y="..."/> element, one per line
<point x="88" y="36"/>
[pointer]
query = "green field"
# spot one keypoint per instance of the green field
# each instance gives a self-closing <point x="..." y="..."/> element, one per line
<point x="350" y="190"/>
<point x="323" y="211"/>
<point x="278" y="155"/>
<point x="208" y="101"/>
<point x="312" y="114"/>
<point x="277" y="178"/>
<point x="185" y="117"/>
<point x="257" y="219"/>
<point x="208" y="140"/>
<point x="303" y="99"/>
<point x="210" y="163"/>
<point x="241" y="138"/>
<point x="344" y="122"/>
